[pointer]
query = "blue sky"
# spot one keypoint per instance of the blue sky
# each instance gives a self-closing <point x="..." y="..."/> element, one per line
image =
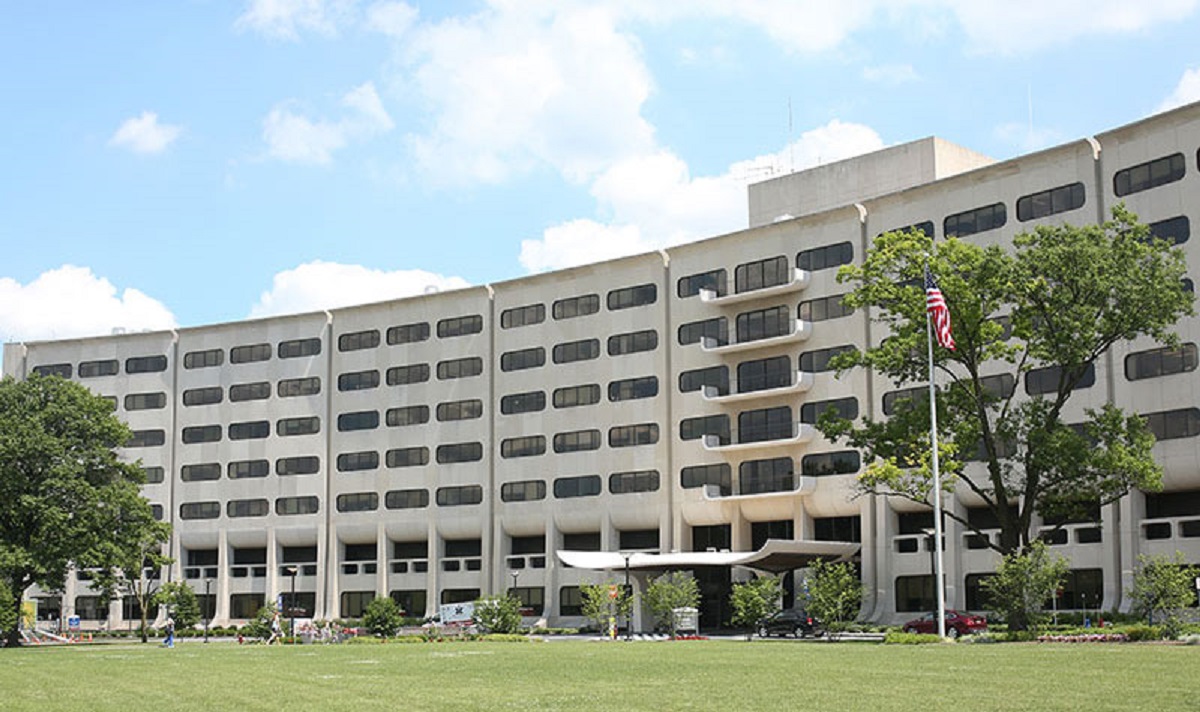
<point x="198" y="161"/>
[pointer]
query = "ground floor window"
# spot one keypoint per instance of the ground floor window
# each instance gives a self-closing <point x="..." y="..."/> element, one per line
<point x="411" y="601"/>
<point x="532" y="598"/>
<point x="570" y="601"/>
<point x="245" y="605"/>
<point x="354" y="603"/>
<point x="459" y="595"/>
<point x="90" y="608"/>
<point x="915" y="593"/>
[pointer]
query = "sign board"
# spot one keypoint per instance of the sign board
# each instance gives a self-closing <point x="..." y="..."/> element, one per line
<point x="458" y="612"/>
<point x="73" y="622"/>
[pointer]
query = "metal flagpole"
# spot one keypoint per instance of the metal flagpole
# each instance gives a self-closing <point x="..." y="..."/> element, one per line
<point x="939" y="571"/>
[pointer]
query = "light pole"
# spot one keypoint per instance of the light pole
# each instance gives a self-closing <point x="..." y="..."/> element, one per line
<point x="628" y="592"/>
<point x="929" y="544"/>
<point x="292" y="571"/>
<point x="207" y="607"/>
<point x="515" y="573"/>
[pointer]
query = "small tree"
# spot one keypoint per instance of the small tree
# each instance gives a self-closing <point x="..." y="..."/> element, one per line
<point x="754" y="601"/>
<point x="674" y="589"/>
<point x="599" y="604"/>
<point x="141" y="562"/>
<point x="1022" y="584"/>
<point x="498" y="614"/>
<point x="1164" y="585"/>
<point x="383" y="617"/>
<point x="262" y="625"/>
<point x="834" y="593"/>
<point x="8" y="610"/>
<point x="181" y="603"/>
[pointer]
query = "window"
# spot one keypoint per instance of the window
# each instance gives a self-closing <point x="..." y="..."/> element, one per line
<point x="358" y="502"/>
<point x="460" y="326"/>
<point x="576" y="441"/>
<point x="925" y="228"/>
<point x="404" y="375"/>
<point x="581" y="541"/>
<point x="633" y="342"/>
<point x="295" y="387"/>
<point x="574" y="396"/>
<point x="407" y="457"/>
<point x="527" y="446"/>
<point x="203" y="359"/>
<point x="570" y="601"/>
<point x="407" y="415"/>
<point x="763" y="324"/>
<point x="406" y="499"/>
<point x="251" y="430"/>
<point x="459" y="452"/>
<point x="145" y="401"/>
<point x="459" y="496"/>
<point x="531" y="402"/>
<point x="572" y="351"/>
<point x="203" y="396"/>
<point x="765" y="424"/>
<point x="715" y="330"/>
<point x="760" y="476"/>
<point x="289" y="506"/>
<point x="818" y="361"/>
<point x="1160" y="362"/>
<point x="633" y="388"/>
<point x="250" y="353"/>
<point x="239" y="392"/>
<point x="147" y="438"/>
<point x="633" y="482"/>
<point x="199" y="510"/>
<point x="305" y="465"/>
<point x="62" y="370"/>
<point x="629" y="297"/>
<point x="1173" y="424"/>
<point x="764" y="374"/>
<point x="697" y="428"/>
<point x="299" y="348"/>
<point x="235" y="508"/>
<point x="200" y="473"/>
<point x="838" y="528"/>
<point x="1045" y="380"/>
<point x="846" y="408"/>
<point x="522" y="316"/>
<point x="358" y="340"/>
<point x="247" y="469"/>
<point x="154" y="474"/>
<point x="823" y="309"/>
<point x="357" y="461"/>
<point x="145" y="364"/>
<point x="459" y="410"/>
<point x="761" y="274"/>
<point x="989" y="217"/>
<point x="843" y="462"/>
<point x="1151" y="174"/>
<point x="408" y="333"/>
<point x="358" y="380"/>
<point x="359" y="420"/>
<point x="92" y="369"/>
<point x="1175" y="230"/>
<point x="582" y="486"/>
<point x="720" y="476"/>
<point x="1161" y="505"/>
<point x="459" y="368"/>
<point x="576" y="306"/>
<point x="523" y="359"/>
<point x="202" y="434"/>
<point x="524" y="491"/>
<point x="1050" y="202"/>
<point x="827" y="257"/>
<point x="716" y="377"/>
<point x="713" y="280"/>
<point x="633" y="435"/>
<point x="917" y="396"/>
<point x="286" y="427"/>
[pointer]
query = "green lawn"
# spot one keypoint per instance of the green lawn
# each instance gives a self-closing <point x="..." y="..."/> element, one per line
<point x="576" y="674"/>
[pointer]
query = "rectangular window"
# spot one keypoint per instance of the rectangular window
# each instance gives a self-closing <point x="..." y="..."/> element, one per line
<point x="846" y="408"/>
<point x="239" y="392"/>
<point x="522" y="316"/>
<point x="358" y="380"/>
<point x="697" y="428"/>
<point x="531" y="402"/>
<point x="818" y="361"/>
<point x="633" y="435"/>
<point x="62" y="370"/>
<point x="925" y="228"/>
<point x="761" y="476"/>
<point x="843" y="462"/>
<point x="570" y="601"/>
<point x="1160" y="362"/>
<point x="713" y="281"/>
<point x="640" y="539"/>
<point x="458" y="497"/>
<point x="236" y="508"/>
<point x="200" y="473"/>
<point x="358" y="502"/>
<point x="145" y="401"/>
<point x="524" y="491"/>
<point x="359" y="420"/>
<point x="247" y="469"/>
<point x="250" y="353"/>
<point x="299" y="348"/>
<point x="764" y="324"/>
<point x="146" y="364"/>
<point x="153" y="474"/>
<point x="408" y="333"/>
<point x="460" y="410"/>
<point x="406" y="499"/>
<point x="765" y="424"/>
<point x="203" y="359"/>
<point x="459" y="452"/>
<point x="358" y="461"/>
<point x="405" y="375"/>
<point x="916" y="397"/>
<point x="582" y="486"/>
<point x="203" y="396"/>
<point x="527" y="446"/>
<point x="715" y="330"/>
<point x="764" y="374"/>
<point x="460" y="326"/>
<point x="629" y="297"/>
<point x="199" y="510"/>
<point x="290" y="506"/>
<point x="201" y="434"/>
<point x="1174" y="424"/>
<point x="1046" y="380"/>
<point x="715" y="377"/>
<point x="572" y="351"/>
<point x="304" y="465"/>
<point x="147" y="438"/>
<point x="1050" y="202"/>
<point x="358" y="340"/>
<point x="1151" y="174"/>
<point x="286" y="427"/>
<point x="573" y="307"/>
<point x="574" y="396"/>
<point x="252" y="430"/>
<point x="824" y="309"/>
<point x="459" y="368"/>
<point x="633" y="342"/>
<point x="1174" y="230"/>
<point x="988" y="217"/>
<point x="576" y="441"/>
<point x="523" y="359"/>
<point x="633" y="482"/>
<point x="408" y="457"/>
<point x="407" y="415"/>
<point x="633" y="388"/>
<point x="295" y="387"/>
<point x="719" y="476"/>
<point x="829" y="256"/>
<point x="838" y="529"/>
<point x="762" y="274"/>
<point x="93" y="369"/>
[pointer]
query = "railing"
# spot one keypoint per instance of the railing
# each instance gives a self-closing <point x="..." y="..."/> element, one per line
<point x="799" y="331"/>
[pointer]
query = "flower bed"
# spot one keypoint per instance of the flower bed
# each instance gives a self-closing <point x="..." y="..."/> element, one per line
<point x="1085" y="638"/>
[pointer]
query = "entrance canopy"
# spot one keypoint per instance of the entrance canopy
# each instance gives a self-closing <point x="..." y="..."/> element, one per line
<point x="776" y="556"/>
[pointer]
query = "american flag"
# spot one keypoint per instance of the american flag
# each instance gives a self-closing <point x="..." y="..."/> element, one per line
<point x="935" y="304"/>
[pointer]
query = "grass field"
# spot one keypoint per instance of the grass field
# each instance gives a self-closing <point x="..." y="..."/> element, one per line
<point x="576" y="674"/>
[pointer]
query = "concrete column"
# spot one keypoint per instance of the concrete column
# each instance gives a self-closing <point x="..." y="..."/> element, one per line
<point x="220" y="587"/>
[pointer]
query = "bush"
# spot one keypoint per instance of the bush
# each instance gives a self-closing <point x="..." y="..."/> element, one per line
<point x="1140" y="633"/>
<point x="383" y="617"/>
<point x="899" y="637"/>
<point x="498" y="614"/>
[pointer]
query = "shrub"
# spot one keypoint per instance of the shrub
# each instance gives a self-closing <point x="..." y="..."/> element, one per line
<point x="498" y="614"/>
<point x="383" y="617"/>
<point x="899" y="637"/>
<point x="1139" y="633"/>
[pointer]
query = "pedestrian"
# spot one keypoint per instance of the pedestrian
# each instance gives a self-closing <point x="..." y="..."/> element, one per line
<point x="169" y="629"/>
<point x="276" y="630"/>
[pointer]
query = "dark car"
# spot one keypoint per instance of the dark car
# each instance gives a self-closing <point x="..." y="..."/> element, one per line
<point x="956" y="624"/>
<point x="792" y="622"/>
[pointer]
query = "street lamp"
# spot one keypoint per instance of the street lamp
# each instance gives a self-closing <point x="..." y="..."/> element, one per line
<point x="629" y="615"/>
<point x="514" y="573"/>
<point x="292" y="571"/>
<point x="929" y="544"/>
<point x="207" y="607"/>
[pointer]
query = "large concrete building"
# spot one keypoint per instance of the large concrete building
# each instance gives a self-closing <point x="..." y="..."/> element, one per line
<point x="446" y="446"/>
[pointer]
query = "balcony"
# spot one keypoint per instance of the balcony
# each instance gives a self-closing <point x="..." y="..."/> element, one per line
<point x="797" y="434"/>
<point x="797" y="282"/>
<point x="796" y="485"/>
<point x="801" y="382"/>
<point x="800" y="331"/>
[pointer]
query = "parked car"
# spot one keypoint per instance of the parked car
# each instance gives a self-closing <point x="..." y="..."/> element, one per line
<point x="791" y="622"/>
<point x="956" y="624"/>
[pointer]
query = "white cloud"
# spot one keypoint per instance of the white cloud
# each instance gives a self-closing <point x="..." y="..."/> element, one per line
<point x="297" y="139"/>
<point x="1028" y="138"/>
<point x="890" y="73"/>
<point x="1186" y="91"/>
<point x="143" y="134"/>
<point x="286" y="19"/>
<point x="393" y="19"/>
<point x="70" y="302"/>
<point x="328" y="285"/>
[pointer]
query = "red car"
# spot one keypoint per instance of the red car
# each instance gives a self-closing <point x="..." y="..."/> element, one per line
<point x="956" y="624"/>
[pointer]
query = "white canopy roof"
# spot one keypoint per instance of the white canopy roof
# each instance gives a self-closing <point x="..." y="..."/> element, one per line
<point x="775" y="556"/>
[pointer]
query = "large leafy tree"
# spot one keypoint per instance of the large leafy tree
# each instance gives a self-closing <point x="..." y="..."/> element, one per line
<point x="66" y="498"/>
<point x="1058" y="300"/>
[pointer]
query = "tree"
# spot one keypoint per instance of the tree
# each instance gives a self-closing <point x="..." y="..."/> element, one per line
<point x="1164" y="585"/>
<point x="66" y="498"/>
<point x="754" y="601"/>
<point x="599" y="604"/>
<point x="1057" y="302"/>
<point x="674" y="589"/>
<point x="499" y="614"/>
<point x="9" y="613"/>
<point x="262" y="625"/>
<point x="141" y="562"/>
<point x="181" y="603"/>
<point x="834" y="594"/>
<point x="383" y="617"/>
<point x="1022" y="584"/>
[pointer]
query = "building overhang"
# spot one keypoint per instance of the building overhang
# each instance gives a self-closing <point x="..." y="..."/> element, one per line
<point x="776" y="556"/>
